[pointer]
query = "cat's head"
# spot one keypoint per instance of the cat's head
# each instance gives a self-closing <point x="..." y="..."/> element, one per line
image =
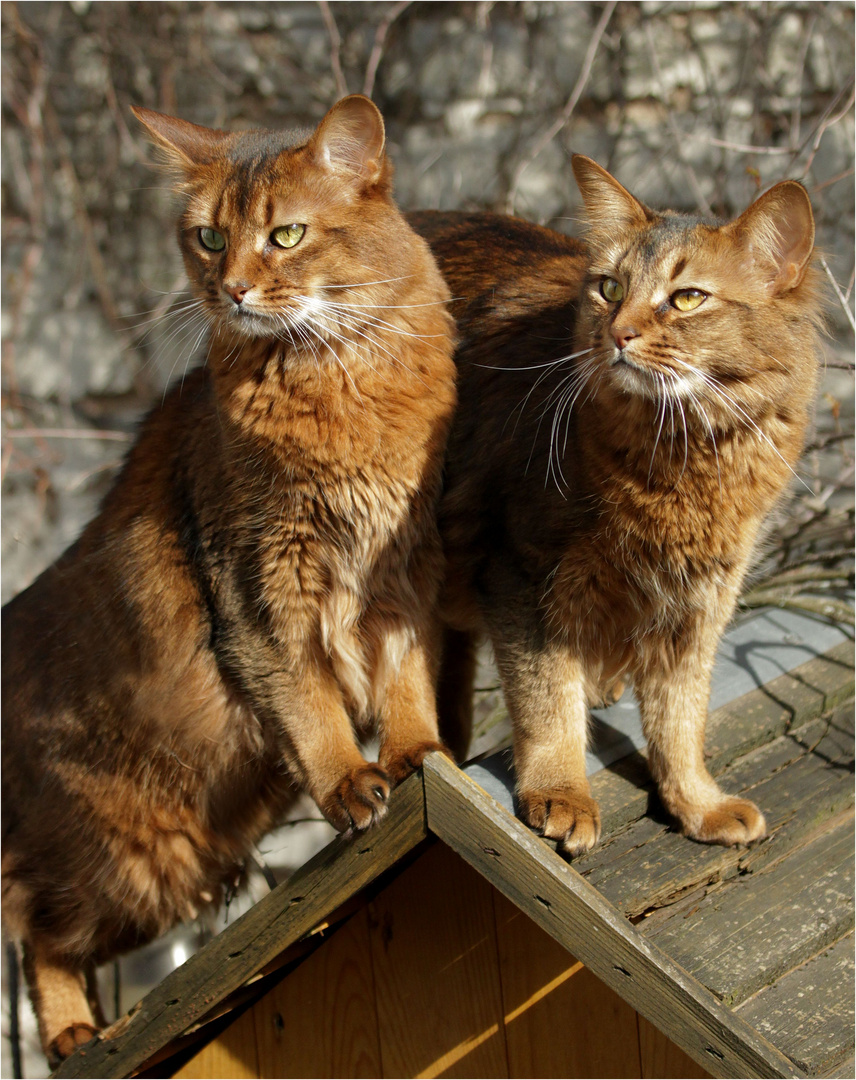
<point x="679" y="309"/>
<point x="274" y="227"/>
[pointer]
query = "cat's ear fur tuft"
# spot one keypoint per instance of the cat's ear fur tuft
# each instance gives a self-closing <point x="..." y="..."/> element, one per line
<point x="608" y="205"/>
<point x="350" y="139"/>
<point x="777" y="231"/>
<point x="182" y="144"/>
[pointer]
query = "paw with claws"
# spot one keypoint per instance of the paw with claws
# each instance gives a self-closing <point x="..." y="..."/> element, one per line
<point x="400" y="763"/>
<point x="359" y="799"/>
<point x="562" y="814"/>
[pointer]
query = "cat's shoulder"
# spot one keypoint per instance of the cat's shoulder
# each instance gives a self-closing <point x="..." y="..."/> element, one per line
<point x="503" y="267"/>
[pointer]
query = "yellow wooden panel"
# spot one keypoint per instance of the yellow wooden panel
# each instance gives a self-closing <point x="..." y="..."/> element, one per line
<point x="320" y="1021"/>
<point x="434" y="953"/>
<point x="231" y="1055"/>
<point x="560" y="1019"/>
<point x="662" y="1059"/>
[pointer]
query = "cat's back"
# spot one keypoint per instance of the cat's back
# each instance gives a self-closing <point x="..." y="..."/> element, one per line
<point x="504" y="273"/>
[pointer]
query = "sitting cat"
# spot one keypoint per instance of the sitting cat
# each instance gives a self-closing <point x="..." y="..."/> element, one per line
<point x="261" y="582"/>
<point x="630" y="410"/>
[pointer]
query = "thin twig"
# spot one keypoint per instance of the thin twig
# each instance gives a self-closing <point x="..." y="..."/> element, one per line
<point x="839" y="294"/>
<point x="379" y="42"/>
<point x="564" y="116"/>
<point x="68" y="433"/>
<point x="335" y="47"/>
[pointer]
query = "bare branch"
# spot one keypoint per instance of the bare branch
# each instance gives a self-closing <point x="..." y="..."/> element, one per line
<point x="564" y="116"/>
<point x="379" y="41"/>
<point x="335" y="47"/>
<point x="839" y="294"/>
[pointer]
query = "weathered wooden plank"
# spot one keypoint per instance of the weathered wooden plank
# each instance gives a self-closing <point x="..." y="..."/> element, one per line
<point x="285" y="915"/>
<point x="800" y="780"/>
<point x="559" y="900"/>
<point x="747" y="934"/>
<point x="808" y="1013"/>
<point x="434" y="955"/>
<point x="786" y="702"/>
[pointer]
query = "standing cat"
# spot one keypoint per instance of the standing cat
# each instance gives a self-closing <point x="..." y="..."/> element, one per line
<point x="601" y="508"/>
<point x="261" y="581"/>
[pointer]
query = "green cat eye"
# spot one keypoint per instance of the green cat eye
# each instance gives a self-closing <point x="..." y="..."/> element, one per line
<point x="288" y="236"/>
<point x="688" y="299"/>
<point x="611" y="290"/>
<point x="211" y="239"/>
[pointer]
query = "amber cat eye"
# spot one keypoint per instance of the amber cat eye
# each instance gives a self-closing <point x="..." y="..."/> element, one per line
<point x="288" y="236"/>
<point x="688" y="299"/>
<point x="211" y="239"/>
<point x="611" y="290"/>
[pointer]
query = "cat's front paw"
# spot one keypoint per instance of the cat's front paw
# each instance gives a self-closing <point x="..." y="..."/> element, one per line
<point x="730" y="821"/>
<point x="359" y="799"/>
<point x="564" y="815"/>
<point x="67" y="1042"/>
<point x="400" y="763"/>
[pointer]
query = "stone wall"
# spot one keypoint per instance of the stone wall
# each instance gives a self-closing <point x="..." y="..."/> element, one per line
<point x="692" y="105"/>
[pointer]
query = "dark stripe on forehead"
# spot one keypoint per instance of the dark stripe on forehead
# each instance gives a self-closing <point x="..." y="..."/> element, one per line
<point x="679" y="266"/>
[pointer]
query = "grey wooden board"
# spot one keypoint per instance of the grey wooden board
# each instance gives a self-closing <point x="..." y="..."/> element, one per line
<point x="562" y="903"/>
<point x="800" y="780"/>
<point x="744" y="937"/>
<point x="751" y="654"/>
<point x="809" y="1012"/>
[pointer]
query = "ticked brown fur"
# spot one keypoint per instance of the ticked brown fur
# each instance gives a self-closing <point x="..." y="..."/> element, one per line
<point x="259" y="587"/>
<point x="613" y="459"/>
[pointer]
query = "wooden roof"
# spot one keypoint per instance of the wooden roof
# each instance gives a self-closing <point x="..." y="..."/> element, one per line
<point x="742" y="956"/>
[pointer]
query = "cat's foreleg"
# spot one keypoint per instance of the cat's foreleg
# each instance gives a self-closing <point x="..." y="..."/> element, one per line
<point x="408" y="725"/>
<point x="319" y="746"/>
<point x="673" y="701"/>
<point x="59" y="994"/>
<point x="545" y="692"/>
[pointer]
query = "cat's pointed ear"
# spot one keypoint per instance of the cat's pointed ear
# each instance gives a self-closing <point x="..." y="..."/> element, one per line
<point x="184" y="145"/>
<point x="349" y="140"/>
<point x="607" y="203"/>
<point x="778" y="232"/>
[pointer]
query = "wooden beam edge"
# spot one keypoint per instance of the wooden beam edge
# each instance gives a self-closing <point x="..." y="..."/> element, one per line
<point x="279" y="919"/>
<point x="561" y="901"/>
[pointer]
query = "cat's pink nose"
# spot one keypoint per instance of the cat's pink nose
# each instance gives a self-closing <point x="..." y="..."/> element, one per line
<point x="237" y="291"/>
<point x="622" y="334"/>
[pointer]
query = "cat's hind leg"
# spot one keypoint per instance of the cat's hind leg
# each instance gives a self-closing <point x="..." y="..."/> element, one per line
<point x="59" y="993"/>
<point x="455" y="690"/>
<point x="545" y="691"/>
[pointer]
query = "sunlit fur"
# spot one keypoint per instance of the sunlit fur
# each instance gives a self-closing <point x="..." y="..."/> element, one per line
<point x="610" y="469"/>
<point x="259" y="587"/>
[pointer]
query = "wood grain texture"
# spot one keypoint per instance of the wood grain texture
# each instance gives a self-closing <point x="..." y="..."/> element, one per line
<point x="233" y="1053"/>
<point x="554" y="895"/>
<point x="285" y="915"/>
<point x="661" y="1059"/>
<point x="436" y="972"/>
<point x="743" y="938"/>
<point x="321" y="1020"/>
<point x="809" y="1012"/>
<point x="560" y="1020"/>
